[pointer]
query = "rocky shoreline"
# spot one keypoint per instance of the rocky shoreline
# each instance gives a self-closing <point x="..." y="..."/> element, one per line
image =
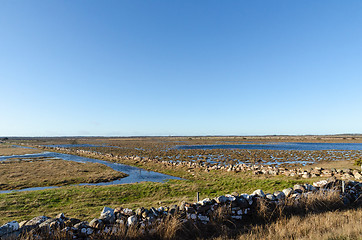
<point x="235" y="207"/>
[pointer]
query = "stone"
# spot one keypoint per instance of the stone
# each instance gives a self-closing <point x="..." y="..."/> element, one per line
<point x="22" y="223"/>
<point x="306" y="175"/>
<point x="190" y="209"/>
<point x="299" y="188"/>
<point x="46" y="223"/>
<point x="346" y="201"/>
<point x="58" y="223"/>
<point x="357" y="176"/>
<point x="89" y="231"/>
<point x="61" y="216"/>
<point x="270" y="197"/>
<point x="118" y="210"/>
<point x="107" y="215"/>
<point x="81" y="225"/>
<point x="181" y="207"/>
<point x="203" y="218"/>
<point x="288" y="191"/>
<point x="230" y="198"/>
<point x="34" y="222"/>
<point x="309" y="187"/>
<point x="248" y="198"/>
<point x="235" y="194"/>
<point x="279" y="195"/>
<point x="173" y="209"/>
<point x="296" y="195"/>
<point x="127" y="212"/>
<point x="8" y="228"/>
<point x="347" y="176"/>
<point x="139" y="211"/>
<point x="154" y="211"/>
<point x="71" y="222"/>
<point x="145" y="213"/>
<point x="320" y="183"/>
<point x="242" y="202"/>
<point x="220" y="199"/>
<point x="205" y="201"/>
<point x="131" y="221"/>
<point x="259" y="193"/>
<point x="96" y="223"/>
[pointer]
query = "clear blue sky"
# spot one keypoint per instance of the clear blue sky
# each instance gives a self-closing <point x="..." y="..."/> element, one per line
<point x="123" y="68"/>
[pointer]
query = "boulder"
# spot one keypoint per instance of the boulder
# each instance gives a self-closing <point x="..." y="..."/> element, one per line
<point x="8" y="228"/>
<point x="71" y="222"/>
<point x="279" y="195"/>
<point x="204" y="201"/>
<point x="33" y="223"/>
<point x="320" y="183"/>
<point x="220" y="199"/>
<point x="309" y="187"/>
<point x="230" y="198"/>
<point x="299" y="188"/>
<point x="259" y="193"/>
<point x="270" y="197"/>
<point x="242" y="202"/>
<point x="357" y="175"/>
<point x="288" y="191"/>
<point x="96" y="223"/>
<point x="107" y="215"/>
<point x="61" y="216"/>
<point x="131" y="221"/>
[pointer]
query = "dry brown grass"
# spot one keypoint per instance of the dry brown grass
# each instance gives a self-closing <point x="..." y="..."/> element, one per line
<point x="315" y="217"/>
<point x="20" y="174"/>
<point x="341" y="164"/>
<point x="336" y="225"/>
<point x="329" y="225"/>
<point x="8" y="150"/>
<point x="313" y="203"/>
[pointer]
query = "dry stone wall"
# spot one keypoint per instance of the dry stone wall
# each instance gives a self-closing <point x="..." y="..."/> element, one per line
<point x="236" y="207"/>
<point x="345" y="174"/>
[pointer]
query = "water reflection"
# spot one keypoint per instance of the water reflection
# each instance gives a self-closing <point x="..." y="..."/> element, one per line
<point x="135" y="174"/>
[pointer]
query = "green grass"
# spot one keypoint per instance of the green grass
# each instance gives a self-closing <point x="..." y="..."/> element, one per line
<point x="86" y="202"/>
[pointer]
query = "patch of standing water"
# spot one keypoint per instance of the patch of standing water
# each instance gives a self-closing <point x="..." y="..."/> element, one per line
<point x="281" y="146"/>
<point x="18" y="146"/>
<point x="303" y="163"/>
<point x="134" y="174"/>
<point x="84" y="145"/>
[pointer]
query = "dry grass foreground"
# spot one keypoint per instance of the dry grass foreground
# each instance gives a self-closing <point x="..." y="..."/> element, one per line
<point x="8" y="150"/>
<point x="330" y="225"/>
<point x="320" y="216"/>
<point x="18" y="174"/>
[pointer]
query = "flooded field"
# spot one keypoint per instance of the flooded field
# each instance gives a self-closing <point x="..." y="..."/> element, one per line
<point x="280" y="146"/>
<point x="218" y="152"/>
<point x="133" y="174"/>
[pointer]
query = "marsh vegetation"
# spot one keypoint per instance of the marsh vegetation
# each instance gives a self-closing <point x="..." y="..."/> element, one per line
<point x="86" y="202"/>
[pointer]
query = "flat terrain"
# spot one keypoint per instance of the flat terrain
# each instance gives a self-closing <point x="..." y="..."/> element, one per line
<point x="342" y="164"/>
<point x="8" y="150"/>
<point x="18" y="174"/>
<point x="86" y="202"/>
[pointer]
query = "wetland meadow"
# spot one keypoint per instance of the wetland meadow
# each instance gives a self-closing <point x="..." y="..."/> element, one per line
<point x="67" y="182"/>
